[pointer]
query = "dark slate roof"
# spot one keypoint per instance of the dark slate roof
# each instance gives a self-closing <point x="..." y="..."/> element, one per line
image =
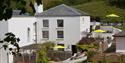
<point x="31" y="46"/>
<point x="16" y="13"/>
<point x="62" y="10"/>
<point x="86" y="40"/>
<point x="121" y="34"/>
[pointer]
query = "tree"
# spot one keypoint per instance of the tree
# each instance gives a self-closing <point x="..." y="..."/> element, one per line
<point x="118" y="3"/>
<point x="53" y="3"/>
<point x="7" y="6"/>
<point x="42" y="54"/>
<point x="5" y="9"/>
<point x="10" y="42"/>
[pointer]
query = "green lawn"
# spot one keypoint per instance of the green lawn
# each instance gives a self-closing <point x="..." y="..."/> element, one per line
<point x="100" y="8"/>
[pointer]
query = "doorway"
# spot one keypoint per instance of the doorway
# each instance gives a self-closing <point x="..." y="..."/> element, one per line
<point x="74" y="49"/>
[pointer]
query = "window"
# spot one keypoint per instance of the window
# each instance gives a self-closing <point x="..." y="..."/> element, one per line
<point x="45" y="34"/>
<point x="60" y="23"/>
<point x="60" y="34"/>
<point x="46" y="23"/>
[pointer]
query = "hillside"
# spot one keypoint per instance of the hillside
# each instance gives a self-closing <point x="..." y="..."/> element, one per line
<point x="99" y="8"/>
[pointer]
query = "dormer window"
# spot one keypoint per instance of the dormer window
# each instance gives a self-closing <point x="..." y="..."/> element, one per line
<point x="45" y="23"/>
<point x="60" y="23"/>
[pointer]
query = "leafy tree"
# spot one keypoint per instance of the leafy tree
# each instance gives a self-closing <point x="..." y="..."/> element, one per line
<point x="89" y="48"/>
<point x="76" y="2"/>
<point x="89" y="45"/>
<point x="5" y="10"/>
<point x="118" y="3"/>
<point x="6" y="7"/>
<point x="53" y="3"/>
<point x="42" y="57"/>
<point x="47" y="46"/>
<point x="42" y="54"/>
<point x="10" y="42"/>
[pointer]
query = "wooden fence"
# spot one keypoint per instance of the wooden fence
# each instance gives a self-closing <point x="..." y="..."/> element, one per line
<point x="53" y="55"/>
<point x="109" y="58"/>
<point x="59" y="55"/>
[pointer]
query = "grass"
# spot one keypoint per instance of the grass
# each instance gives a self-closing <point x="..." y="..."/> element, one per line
<point x="100" y="8"/>
<point x="94" y="8"/>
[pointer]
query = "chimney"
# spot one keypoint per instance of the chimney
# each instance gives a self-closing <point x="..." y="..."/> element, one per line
<point x="38" y="6"/>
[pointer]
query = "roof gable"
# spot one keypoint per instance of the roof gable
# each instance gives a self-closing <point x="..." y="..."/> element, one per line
<point x="62" y="10"/>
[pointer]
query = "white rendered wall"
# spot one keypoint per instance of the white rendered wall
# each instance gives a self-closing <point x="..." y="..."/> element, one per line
<point x="84" y="25"/>
<point x="120" y="44"/>
<point x="3" y="30"/>
<point x="18" y="26"/>
<point x="71" y="30"/>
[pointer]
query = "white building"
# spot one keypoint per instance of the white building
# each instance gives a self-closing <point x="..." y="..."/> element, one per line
<point x="120" y="42"/>
<point x="63" y="25"/>
<point x="23" y="27"/>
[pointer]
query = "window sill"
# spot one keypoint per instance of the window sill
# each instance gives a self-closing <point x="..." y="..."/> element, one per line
<point x="60" y="39"/>
<point x="60" y="28"/>
<point x="45" y="27"/>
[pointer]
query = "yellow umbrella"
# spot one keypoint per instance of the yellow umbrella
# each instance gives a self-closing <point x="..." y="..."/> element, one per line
<point x="99" y="31"/>
<point x="112" y="15"/>
<point x="58" y="46"/>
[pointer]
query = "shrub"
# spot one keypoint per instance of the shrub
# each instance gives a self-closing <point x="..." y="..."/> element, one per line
<point x="42" y="57"/>
<point x="42" y="54"/>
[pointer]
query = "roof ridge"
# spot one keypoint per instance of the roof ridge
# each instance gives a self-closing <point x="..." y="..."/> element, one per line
<point x="62" y="10"/>
<point x="71" y="8"/>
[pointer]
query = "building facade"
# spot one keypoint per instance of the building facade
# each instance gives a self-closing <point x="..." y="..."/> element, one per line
<point x="120" y="41"/>
<point x="23" y="26"/>
<point x="63" y="25"/>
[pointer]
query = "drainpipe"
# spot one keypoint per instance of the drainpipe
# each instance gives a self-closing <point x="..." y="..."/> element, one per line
<point x="35" y="24"/>
<point x="7" y="57"/>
